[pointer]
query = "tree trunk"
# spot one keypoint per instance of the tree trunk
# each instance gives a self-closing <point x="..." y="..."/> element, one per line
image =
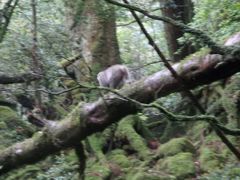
<point x="36" y="64"/>
<point x="6" y="15"/>
<point x="93" y="28"/>
<point x="180" y="11"/>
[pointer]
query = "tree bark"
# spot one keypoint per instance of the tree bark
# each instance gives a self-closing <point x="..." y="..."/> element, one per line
<point x="180" y="11"/>
<point x="5" y="16"/>
<point x="36" y="63"/>
<point x="93" y="29"/>
<point x="89" y="118"/>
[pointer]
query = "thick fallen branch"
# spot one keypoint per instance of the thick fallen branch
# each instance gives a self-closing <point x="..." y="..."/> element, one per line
<point x="21" y="78"/>
<point x="87" y="119"/>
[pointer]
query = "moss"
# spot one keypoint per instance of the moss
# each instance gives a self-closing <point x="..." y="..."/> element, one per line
<point x="71" y="157"/>
<point x="195" y="130"/>
<point x="70" y="83"/>
<point x="25" y="173"/>
<point x="97" y="172"/>
<point x="230" y="171"/>
<point x="180" y="165"/>
<point x="117" y="152"/>
<point x="211" y="138"/>
<point x="12" y="128"/>
<point x="230" y="101"/>
<point x="149" y="176"/>
<point x="2" y="97"/>
<point x="7" y="114"/>
<point x="234" y="172"/>
<point x="126" y="131"/>
<point x="96" y="141"/>
<point x="209" y="159"/>
<point x="142" y="128"/>
<point x="3" y="125"/>
<point x="176" y="146"/>
<point x="69" y="60"/>
<point x="120" y="159"/>
<point x="96" y="144"/>
<point x="144" y="173"/>
<point x="201" y="53"/>
<point x="107" y="134"/>
<point x="11" y="119"/>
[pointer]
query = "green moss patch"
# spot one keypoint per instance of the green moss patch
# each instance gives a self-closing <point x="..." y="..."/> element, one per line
<point x="12" y="128"/>
<point x="98" y="172"/>
<point x="149" y="175"/>
<point x="209" y="159"/>
<point x="126" y="131"/>
<point x="180" y="165"/>
<point x="120" y="159"/>
<point x="176" y="146"/>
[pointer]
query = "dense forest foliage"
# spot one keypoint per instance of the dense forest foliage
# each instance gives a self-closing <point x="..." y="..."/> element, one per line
<point x="111" y="89"/>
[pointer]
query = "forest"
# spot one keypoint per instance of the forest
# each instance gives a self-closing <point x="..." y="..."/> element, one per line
<point x="120" y="89"/>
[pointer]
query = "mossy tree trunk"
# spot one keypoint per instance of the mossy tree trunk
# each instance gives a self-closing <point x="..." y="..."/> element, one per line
<point x="92" y="27"/>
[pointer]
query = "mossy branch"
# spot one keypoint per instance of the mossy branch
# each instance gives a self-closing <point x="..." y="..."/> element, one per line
<point x="180" y="118"/>
<point x="171" y="116"/>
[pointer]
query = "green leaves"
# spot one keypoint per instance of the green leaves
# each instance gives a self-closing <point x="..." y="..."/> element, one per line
<point x="220" y="18"/>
